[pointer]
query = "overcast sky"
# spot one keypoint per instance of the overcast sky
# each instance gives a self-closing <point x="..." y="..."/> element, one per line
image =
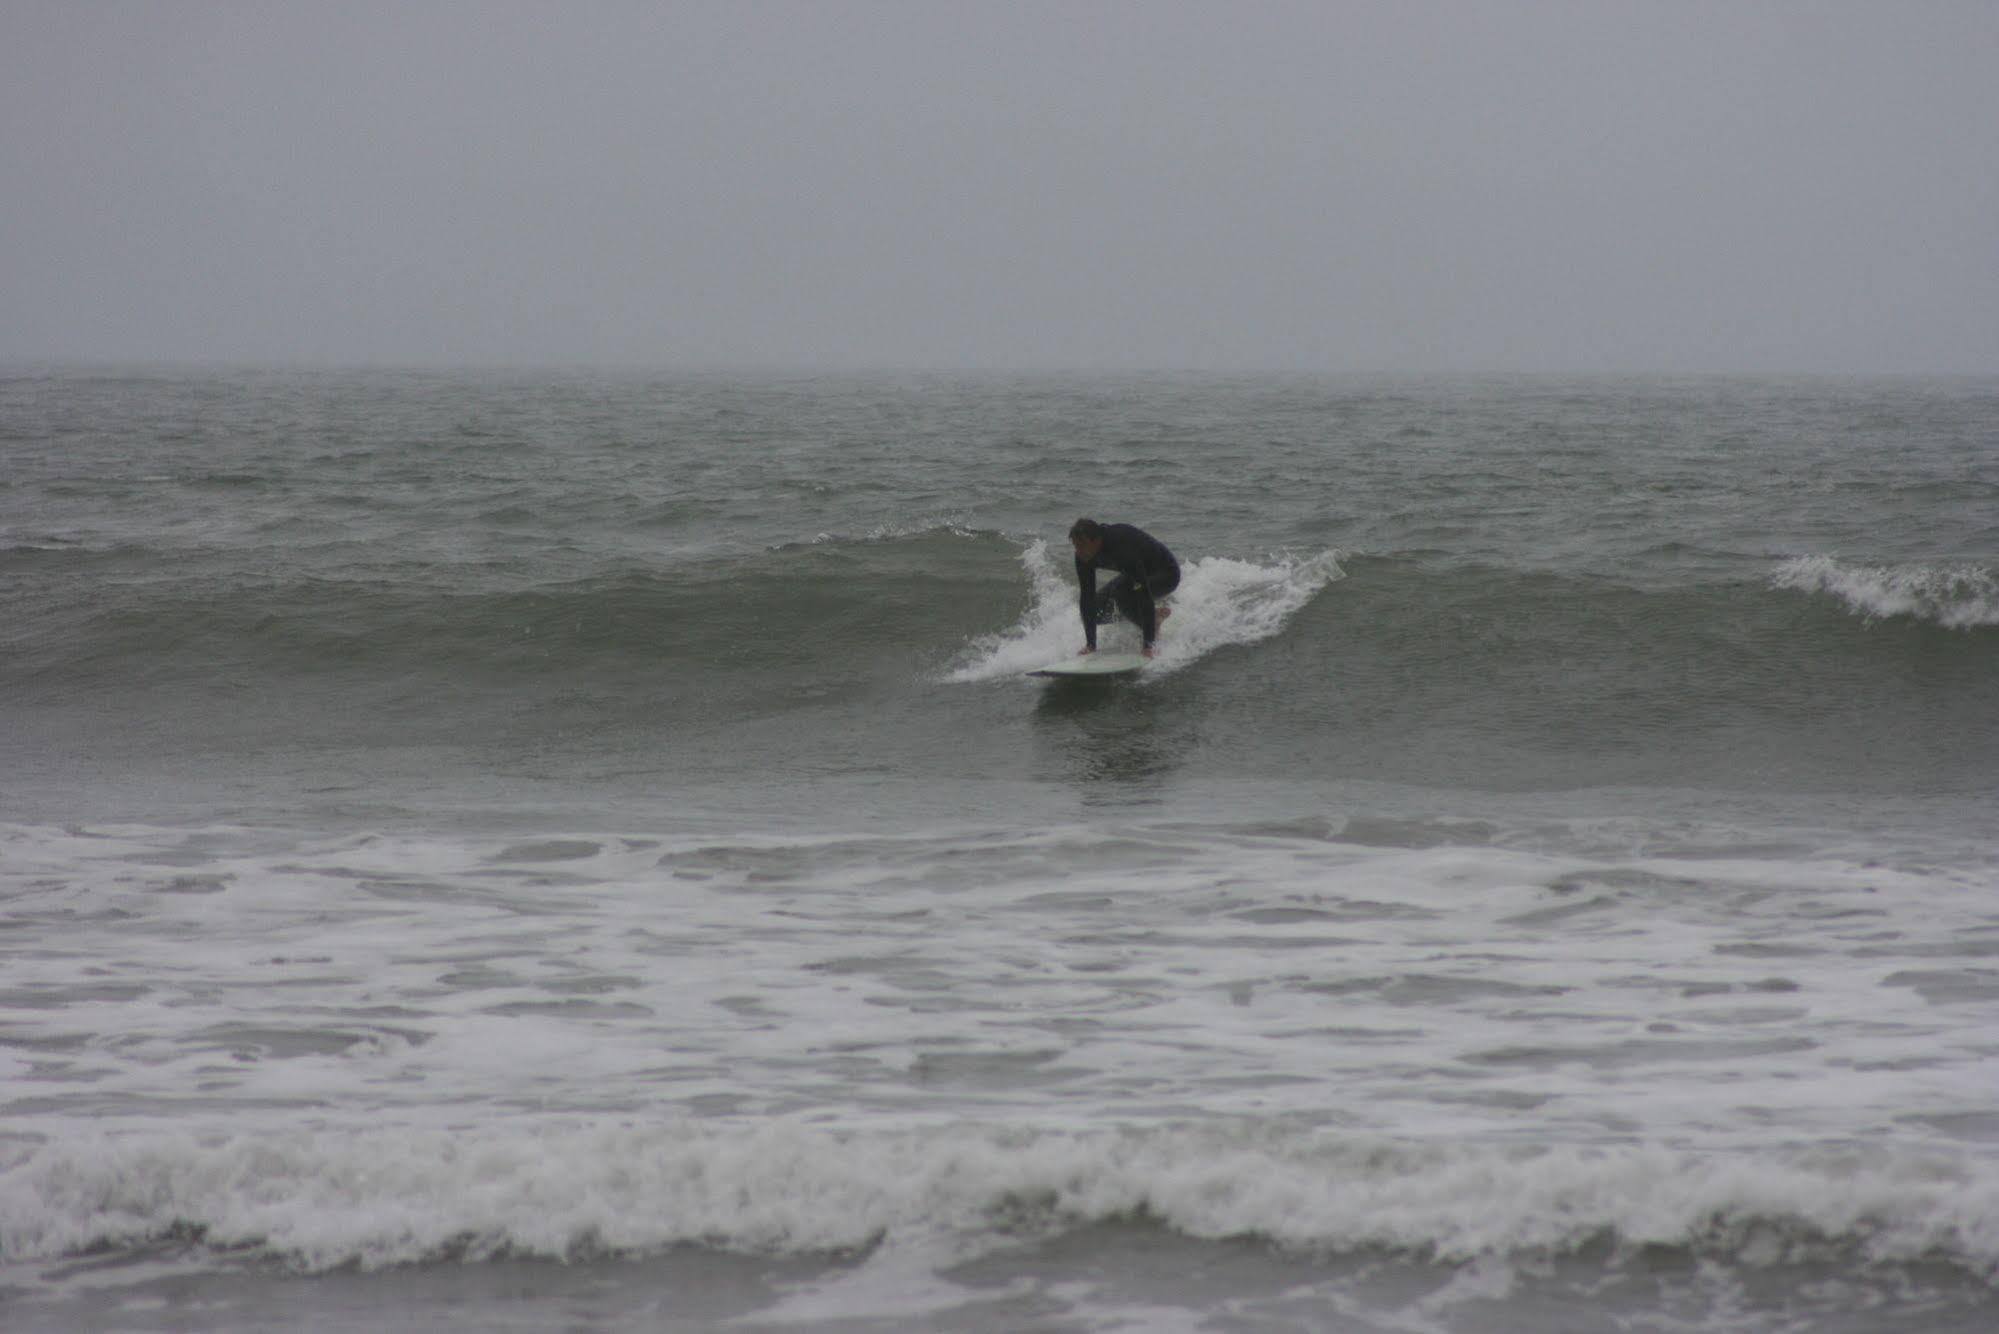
<point x="1480" y="185"/>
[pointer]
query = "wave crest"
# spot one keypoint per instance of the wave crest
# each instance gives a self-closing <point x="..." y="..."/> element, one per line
<point x="330" y="1198"/>
<point x="1957" y="597"/>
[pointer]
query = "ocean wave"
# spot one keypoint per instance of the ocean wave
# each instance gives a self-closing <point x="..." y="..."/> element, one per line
<point x="375" y="1198"/>
<point x="886" y="591"/>
<point x="1958" y="597"/>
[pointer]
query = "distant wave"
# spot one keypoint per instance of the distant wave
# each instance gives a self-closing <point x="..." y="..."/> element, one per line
<point x="397" y="1196"/>
<point x="891" y="532"/>
<point x="1958" y="597"/>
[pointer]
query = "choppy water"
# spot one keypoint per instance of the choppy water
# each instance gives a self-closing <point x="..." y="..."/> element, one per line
<point x="514" y="848"/>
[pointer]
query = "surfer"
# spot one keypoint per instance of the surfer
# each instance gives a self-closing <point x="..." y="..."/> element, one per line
<point x="1145" y="570"/>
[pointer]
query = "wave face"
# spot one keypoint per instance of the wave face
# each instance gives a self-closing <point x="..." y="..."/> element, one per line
<point x="745" y="612"/>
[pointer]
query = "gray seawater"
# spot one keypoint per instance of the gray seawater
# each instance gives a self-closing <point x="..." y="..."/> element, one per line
<point x="495" y="850"/>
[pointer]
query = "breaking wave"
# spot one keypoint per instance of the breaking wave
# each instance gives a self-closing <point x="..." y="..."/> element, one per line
<point x="1957" y="597"/>
<point x="329" y="1199"/>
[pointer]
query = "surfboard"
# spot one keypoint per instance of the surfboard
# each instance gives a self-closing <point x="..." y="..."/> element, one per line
<point x="1094" y="664"/>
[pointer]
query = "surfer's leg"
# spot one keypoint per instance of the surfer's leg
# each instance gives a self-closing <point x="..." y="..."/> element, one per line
<point x="1161" y="584"/>
<point x="1134" y="603"/>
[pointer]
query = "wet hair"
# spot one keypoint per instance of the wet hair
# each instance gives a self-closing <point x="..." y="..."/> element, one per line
<point x="1086" y="530"/>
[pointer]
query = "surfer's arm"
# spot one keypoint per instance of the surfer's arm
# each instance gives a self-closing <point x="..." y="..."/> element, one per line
<point x="1086" y="592"/>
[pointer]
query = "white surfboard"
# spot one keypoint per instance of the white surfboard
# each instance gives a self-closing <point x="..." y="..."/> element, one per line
<point x="1094" y="664"/>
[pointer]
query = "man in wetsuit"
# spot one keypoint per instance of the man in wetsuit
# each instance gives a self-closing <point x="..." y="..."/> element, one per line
<point x="1145" y="570"/>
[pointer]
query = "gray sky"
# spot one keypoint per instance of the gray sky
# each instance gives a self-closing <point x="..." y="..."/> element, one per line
<point x="1481" y="185"/>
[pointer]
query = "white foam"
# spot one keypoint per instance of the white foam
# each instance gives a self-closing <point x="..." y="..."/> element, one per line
<point x="565" y="1191"/>
<point x="1958" y="597"/>
<point x="378" y="1048"/>
<point x="1221" y="601"/>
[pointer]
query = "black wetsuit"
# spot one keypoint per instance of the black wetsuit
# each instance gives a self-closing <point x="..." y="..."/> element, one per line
<point x="1145" y="570"/>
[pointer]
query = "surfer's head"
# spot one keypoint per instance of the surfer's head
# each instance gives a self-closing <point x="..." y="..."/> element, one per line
<point x="1087" y="536"/>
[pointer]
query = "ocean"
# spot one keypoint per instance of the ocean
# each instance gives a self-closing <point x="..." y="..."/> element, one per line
<point x="507" y="850"/>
